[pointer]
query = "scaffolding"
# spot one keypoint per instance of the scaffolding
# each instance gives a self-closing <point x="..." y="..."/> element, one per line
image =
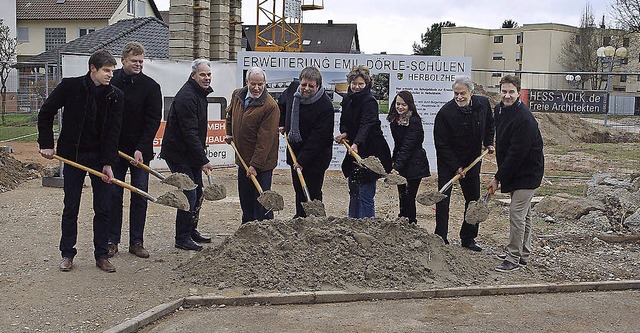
<point x="283" y="29"/>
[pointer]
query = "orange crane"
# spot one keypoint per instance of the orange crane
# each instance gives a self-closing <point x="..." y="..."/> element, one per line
<point x="283" y="32"/>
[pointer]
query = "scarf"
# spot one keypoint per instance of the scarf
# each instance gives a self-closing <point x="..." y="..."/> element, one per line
<point x="403" y="119"/>
<point x="298" y="98"/>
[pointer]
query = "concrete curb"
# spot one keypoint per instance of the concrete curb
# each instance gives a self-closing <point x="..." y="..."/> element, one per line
<point x="318" y="297"/>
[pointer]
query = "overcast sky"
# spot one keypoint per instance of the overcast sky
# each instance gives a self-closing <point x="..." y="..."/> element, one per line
<point x="393" y="25"/>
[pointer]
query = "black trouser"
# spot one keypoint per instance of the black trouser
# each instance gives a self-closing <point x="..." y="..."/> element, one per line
<point x="314" y="180"/>
<point x="471" y="191"/>
<point x="185" y="219"/>
<point x="407" y="198"/>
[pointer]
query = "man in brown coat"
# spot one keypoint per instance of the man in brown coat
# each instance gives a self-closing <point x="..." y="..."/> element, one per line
<point x="252" y="123"/>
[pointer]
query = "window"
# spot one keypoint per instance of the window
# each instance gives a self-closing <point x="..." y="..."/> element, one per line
<point x="306" y="42"/>
<point x="625" y="42"/>
<point x="606" y="41"/>
<point x="141" y="9"/>
<point x="54" y="37"/>
<point x="23" y="35"/>
<point x="623" y="78"/>
<point x="517" y="55"/>
<point x="131" y="7"/>
<point x="84" y="31"/>
<point x="519" y="39"/>
<point x="496" y="74"/>
<point x="497" y="56"/>
<point x="498" y="39"/>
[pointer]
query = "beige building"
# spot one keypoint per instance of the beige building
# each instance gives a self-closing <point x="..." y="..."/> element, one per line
<point x="45" y="24"/>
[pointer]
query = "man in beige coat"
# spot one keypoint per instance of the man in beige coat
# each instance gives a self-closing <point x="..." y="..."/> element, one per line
<point x="252" y="123"/>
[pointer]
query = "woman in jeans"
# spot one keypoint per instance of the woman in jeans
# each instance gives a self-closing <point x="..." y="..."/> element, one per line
<point x="360" y="126"/>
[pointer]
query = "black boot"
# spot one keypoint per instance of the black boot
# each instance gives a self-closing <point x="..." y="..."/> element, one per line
<point x="195" y="234"/>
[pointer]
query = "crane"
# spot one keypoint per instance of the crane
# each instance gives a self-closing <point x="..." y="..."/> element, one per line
<point x="283" y="32"/>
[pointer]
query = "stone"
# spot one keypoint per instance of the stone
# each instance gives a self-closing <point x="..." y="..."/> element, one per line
<point x="563" y="205"/>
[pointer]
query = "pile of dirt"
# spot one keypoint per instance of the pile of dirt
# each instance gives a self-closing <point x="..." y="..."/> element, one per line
<point x="328" y="253"/>
<point x="14" y="172"/>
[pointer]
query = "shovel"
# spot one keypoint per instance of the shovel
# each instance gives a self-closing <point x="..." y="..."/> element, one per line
<point x="175" y="198"/>
<point x="430" y="198"/>
<point x="478" y="211"/>
<point x="270" y="200"/>
<point x="373" y="163"/>
<point x="213" y="192"/>
<point x="311" y="207"/>
<point x="179" y="180"/>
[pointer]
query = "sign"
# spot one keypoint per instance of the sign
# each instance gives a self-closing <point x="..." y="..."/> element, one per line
<point x="568" y="101"/>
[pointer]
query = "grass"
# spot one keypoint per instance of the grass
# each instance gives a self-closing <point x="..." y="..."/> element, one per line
<point x="23" y="126"/>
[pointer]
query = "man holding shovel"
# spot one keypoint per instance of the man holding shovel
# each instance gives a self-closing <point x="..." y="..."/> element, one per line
<point x="140" y="122"/>
<point x="183" y="147"/>
<point x="462" y="127"/>
<point x="252" y="125"/>
<point x="520" y="168"/>
<point x="89" y="136"/>
<point x="306" y="116"/>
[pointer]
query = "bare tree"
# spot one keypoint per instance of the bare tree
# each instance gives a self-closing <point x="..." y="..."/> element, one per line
<point x="627" y="14"/>
<point x="7" y="59"/>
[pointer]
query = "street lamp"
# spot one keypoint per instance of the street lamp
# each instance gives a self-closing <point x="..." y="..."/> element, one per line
<point x="573" y="81"/>
<point x="610" y="56"/>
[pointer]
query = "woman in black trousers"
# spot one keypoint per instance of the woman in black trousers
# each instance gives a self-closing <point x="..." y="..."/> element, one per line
<point x="409" y="157"/>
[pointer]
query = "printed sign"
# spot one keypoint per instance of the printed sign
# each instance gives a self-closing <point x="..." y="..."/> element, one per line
<point x="568" y="101"/>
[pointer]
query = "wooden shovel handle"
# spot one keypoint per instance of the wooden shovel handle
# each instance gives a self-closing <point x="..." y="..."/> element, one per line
<point x="353" y="153"/>
<point x="142" y="165"/>
<point x="295" y="161"/>
<point x="457" y="176"/>
<point x="100" y="174"/>
<point x="253" y="178"/>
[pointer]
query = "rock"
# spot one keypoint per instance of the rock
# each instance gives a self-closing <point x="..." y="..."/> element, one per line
<point x="596" y="220"/>
<point x="635" y="185"/>
<point x="563" y="205"/>
<point x="633" y="221"/>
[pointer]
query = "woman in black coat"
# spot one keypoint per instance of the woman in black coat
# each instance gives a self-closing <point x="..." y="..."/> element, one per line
<point x="409" y="157"/>
<point x="360" y="125"/>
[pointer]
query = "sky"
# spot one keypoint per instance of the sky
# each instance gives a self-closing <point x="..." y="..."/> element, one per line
<point x="393" y="26"/>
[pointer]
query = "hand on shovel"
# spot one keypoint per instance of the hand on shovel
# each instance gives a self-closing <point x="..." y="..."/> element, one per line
<point x="179" y="180"/>
<point x="311" y="207"/>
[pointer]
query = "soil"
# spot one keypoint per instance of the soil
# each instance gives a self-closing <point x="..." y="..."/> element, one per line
<point x="373" y="163"/>
<point x="319" y="253"/>
<point x="214" y="192"/>
<point x="175" y="198"/>
<point x="271" y="200"/>
<point x="181" y="181"/>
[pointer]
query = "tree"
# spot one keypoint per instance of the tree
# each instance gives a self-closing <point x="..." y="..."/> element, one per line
<point x="431" y="40"/>
<point x="507" y="24"/>
<point x="7" y="59"/>
<point x="578" y="53"/>
<point x="627" y="14"/>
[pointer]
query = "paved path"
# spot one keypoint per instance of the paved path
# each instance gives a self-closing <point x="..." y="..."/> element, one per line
<point x="614" y="311"/>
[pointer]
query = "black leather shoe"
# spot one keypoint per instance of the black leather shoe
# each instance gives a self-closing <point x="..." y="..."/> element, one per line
<point x="200" y="238"/>
<point x="472" y="247"/>
<point x="188" y="244"/>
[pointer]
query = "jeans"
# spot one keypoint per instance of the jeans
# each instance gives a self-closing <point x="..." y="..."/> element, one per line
<point x="407" y="199"/>
<point x="361" y="199"/>
<point x="73" y="181"/>
<point x="137" y="207"/>
<point x="184" y="219"/>
<point x="520" y="225"/>
<point x="314" y="180"/>
<point x="252" y="210"/>
<point x="471" y="191"/>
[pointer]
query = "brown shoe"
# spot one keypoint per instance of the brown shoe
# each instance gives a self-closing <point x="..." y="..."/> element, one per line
<point x="66" y="264"/>
<point x="113" y="249"/>
<point x="105" y="265"/>
<point x="138" y="250"/>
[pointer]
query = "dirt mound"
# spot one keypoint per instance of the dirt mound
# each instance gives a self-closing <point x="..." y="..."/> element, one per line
<point x="328" y="253"/>
<point x="14" y="172"/>
<point x="610" y="137"/>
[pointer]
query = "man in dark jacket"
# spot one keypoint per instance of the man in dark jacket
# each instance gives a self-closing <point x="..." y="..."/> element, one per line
<point x="140" y="122"/>
<point x="89" y="136"/>
<point x="462" y="127"/>
<point x="306" y="115"/>
<point x="520" y="168"/>
<point x="184" y="149"/>
<point x="252" y="124"/>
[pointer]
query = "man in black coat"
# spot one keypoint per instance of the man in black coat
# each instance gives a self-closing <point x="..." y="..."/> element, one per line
<point x="184" y="148"/>
<point x="89" y="136"/>
<point x="306" y="115"/>
<point x="462" y="128"/>
<point x="520" y="168"/>
<point x="140" y="122"/>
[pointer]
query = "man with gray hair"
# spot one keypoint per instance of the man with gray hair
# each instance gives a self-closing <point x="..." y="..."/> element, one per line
<point x="184" y="148"/>
<point x="306" y="115"/>
<point x="252" y="124"/>
<point x="462" y="127"/>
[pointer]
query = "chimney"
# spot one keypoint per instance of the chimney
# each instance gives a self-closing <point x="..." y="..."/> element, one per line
<point x="330" y="23"/>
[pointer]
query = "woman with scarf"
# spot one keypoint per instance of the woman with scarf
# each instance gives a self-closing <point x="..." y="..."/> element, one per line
<point x="409" y="158"/>
<point x="360" y="126"/>
<point x="306" y="116"/>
